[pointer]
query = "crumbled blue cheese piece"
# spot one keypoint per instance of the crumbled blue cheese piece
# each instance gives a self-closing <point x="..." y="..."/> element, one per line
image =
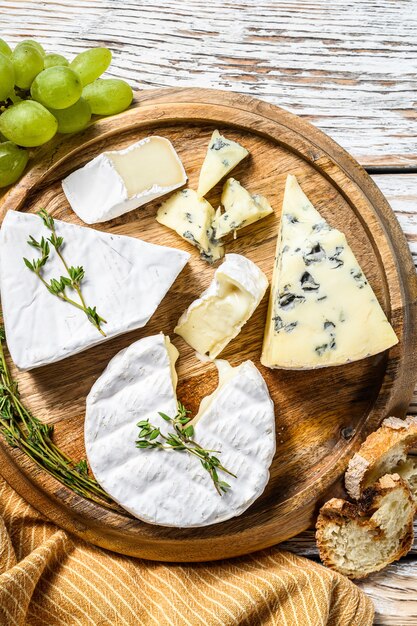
<point x="221" y="157"/>
<point x="322" y="310"/>
<point x="240" y="209"/>
<point x="191" y="217"/>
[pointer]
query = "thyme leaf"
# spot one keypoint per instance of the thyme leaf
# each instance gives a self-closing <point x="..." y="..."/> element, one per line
<point x="55" y="286"/>
<point x="180" y="440"/>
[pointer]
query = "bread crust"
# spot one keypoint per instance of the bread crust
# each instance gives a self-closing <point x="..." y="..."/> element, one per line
<point x="340" y="512"/>
<point x="394" y="435"/>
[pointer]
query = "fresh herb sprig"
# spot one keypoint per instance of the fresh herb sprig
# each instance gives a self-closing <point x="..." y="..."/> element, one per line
<point x="23" y="430"/>
<point x="150" y="437"/>
<point x="74" y="276"/>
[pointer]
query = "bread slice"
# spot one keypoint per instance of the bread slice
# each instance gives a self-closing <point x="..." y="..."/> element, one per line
<point x="358" y="539"/>
<point x="386" y="451"/>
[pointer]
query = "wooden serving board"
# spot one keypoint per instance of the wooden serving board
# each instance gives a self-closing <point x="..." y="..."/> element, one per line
<point x="322" y="415"/>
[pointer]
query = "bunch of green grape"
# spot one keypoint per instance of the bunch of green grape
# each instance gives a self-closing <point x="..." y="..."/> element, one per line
<point x="42" y="94"/>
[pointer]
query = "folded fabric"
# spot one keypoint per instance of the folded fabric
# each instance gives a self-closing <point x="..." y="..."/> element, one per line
<point x="50" y="577"/>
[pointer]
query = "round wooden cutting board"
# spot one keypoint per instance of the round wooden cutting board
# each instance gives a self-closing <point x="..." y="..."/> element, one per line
<point x="321" y="415"/>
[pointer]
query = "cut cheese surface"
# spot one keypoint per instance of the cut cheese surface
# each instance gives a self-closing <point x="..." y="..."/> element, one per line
<point x="125" y="278"/>
<point x="218" y="316"/>
<point x="119" y="181"/>
<point x="171" y="488"/>
<point x="222" y="156"/>
<point x="191" y="217"/>
<point x="240" y="209"/>
<point x="322" y="310"/>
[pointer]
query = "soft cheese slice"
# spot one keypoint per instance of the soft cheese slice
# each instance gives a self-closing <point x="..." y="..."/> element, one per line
<point x="119" y="181"/>
<point x="222" y="156"/>
<point x="171" y="488"/>
<point x="191" y="217"/>
<point x="125" y="278"/>
<point x="322" y="310"/>
<point x="241" y="209"/>
<point x="213" y="320"/>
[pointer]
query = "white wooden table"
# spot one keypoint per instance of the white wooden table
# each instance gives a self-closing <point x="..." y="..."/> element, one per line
<point x="348" y="66"/>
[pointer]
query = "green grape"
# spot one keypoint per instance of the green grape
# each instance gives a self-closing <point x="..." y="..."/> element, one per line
<point x="12" y="163"/>
<point x="73" y="119"/>
<point x="90" y="64"/>
<point x="57" y="87"/>
<point x="27" y="63"/>
<point x="7" y="77"/>
<point x="35" y="44"/>
<point x="28" y="124"/>
<point x="51" y="60"/>
<point x="108" y="96"/>
<point x="5" y="48"/>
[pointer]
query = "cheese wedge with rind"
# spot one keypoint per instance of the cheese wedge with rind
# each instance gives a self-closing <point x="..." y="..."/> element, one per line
<point x="125" y="278"/>
<point x="322" y="309"/>
<point x="217" y="317"/>
<point x="116" y="182"/>
<point x="221" y="157"/>
<point x="171" y="488"/>
<point x="191" y="217"/>
<point x="240" y="209"/>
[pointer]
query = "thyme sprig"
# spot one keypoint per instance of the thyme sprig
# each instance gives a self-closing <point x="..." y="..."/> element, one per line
<point x="23" y="430"/>
<point x="58" y="286"/>
<point x="150" y="437"/>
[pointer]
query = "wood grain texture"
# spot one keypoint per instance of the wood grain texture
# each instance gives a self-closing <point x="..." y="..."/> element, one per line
<point x="348" y="66"/>
<point x="313" y="449"/>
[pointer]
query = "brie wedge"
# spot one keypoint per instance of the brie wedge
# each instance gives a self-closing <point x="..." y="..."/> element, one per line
<point x="125" y="278"/>
<point x="213" y="320"/>
<point x="222" y="156"/>
<point x="322" y="310"/>
<point x="240" y="209"/>
<point x="167" y="487"/>
<point x="119" y="181"/>
<point x="191" y="217"/>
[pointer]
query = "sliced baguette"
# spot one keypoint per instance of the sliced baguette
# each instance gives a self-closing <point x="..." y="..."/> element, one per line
<point x="385" y="451"/>
<point x="359" y="539"/>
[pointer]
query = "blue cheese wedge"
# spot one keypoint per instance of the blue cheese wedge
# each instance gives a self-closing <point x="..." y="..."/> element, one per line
<point x="171" y="488"/>
<point x="222" y="156"/>
<point x="322" y="309"/>
<point x="240" y="209"/>
<point x="218" y="316"/>
<point x="116" y="182"/>
<point x="191" y="217"/>
<point x="125" y="278"/>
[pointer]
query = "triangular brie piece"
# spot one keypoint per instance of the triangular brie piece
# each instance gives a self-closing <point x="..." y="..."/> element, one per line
<point x="191" y="217"/>
<point x="322" y="310"/>
<point x="125" y="279"/>
<point x="222" y="156"/>
<point x="240" y="209"/>
<point x="167" y="487"/>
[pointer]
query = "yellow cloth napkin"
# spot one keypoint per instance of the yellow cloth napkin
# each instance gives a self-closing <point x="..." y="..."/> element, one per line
<point x="49" y="578"/>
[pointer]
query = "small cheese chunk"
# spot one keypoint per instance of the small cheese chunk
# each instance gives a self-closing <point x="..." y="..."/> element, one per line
<point x="125" y="278"/>
<point x="322" y="310"/>
<point x="117" y="182"/>
<point x="241" y="209"/>
<point x="213" y="320"/>
<point x="222" y="156"/>
<point x="171" y="488"/>
<point x="191" y="217"/>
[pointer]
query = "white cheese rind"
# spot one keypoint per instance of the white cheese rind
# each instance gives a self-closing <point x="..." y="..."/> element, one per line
<point x="191" y="218"/>
<point x="322" y="310"/>
<point x="97" y="192"/>
<point x="240" y="209"/>
<point x="125" y="278"/>
<point x="171" y="488"/>
<point x="222" y="156"/>
<point x="214" y="319"/>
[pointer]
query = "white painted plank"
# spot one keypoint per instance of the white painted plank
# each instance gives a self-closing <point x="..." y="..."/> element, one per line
<point x="348" y="66"/>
